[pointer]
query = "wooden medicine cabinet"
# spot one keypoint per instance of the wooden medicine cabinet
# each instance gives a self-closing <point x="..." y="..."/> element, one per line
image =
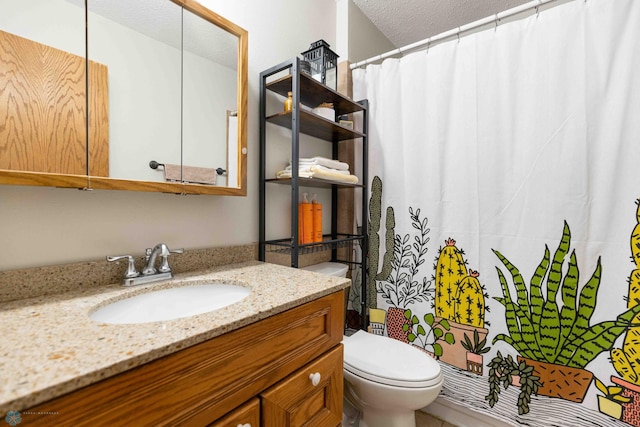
<point x="91" y="95"/>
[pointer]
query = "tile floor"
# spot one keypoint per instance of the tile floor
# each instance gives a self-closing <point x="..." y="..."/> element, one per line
<point x="426" y="420"/>
<point x="350" y="418"/>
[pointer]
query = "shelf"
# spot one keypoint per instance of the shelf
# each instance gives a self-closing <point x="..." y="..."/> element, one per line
<point x="317" y="126"/>
<point x="308" y="93"/>
<point x="284" y="246"/>
<point x="314" y="93"/>
<point x="313" y="182"/>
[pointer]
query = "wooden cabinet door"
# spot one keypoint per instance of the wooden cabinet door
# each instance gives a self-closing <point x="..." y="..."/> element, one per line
<point x="311" y="396"/>
<point x="43" y="103"/>
<point x="247" y="415"/>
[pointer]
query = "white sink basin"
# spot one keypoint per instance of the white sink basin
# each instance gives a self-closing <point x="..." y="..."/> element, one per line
<point x="172" y="303"/>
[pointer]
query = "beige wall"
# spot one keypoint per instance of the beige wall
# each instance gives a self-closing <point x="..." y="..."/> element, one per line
<point x="365" y="40"/>
<point x="46" y="226"/>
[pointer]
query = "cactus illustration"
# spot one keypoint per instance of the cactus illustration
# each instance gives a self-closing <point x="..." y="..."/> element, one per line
<point x="626" y="361"/>
<point x="459" y="294"/>
<point x="375" y="215"/>
<point x="450" y="270"/>
<point x="469" y="302"/>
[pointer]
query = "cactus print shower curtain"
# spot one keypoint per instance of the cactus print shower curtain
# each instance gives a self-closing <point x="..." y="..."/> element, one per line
<point x="505" y="236"/>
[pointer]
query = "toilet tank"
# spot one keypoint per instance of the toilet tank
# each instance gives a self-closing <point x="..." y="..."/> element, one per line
<point x="329" y="268"/>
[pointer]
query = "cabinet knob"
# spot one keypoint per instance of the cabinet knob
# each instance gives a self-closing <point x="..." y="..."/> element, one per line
<point x="315" y="378"/>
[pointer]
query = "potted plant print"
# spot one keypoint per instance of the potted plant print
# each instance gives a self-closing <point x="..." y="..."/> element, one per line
<point x="506" y="371"/>
<point x="459" y="298"/>
<point x="558" y="342"/>
<point x="624" y="359"/>
<point x="611" y="403"/>
<point x="430" y="341"/>
<point x="475" y="350"/>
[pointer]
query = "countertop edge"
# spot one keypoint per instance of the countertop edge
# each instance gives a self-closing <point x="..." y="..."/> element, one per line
<point x="288" y="279"/>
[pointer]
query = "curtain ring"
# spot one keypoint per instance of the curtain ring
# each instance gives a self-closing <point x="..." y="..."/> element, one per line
<point x="458" y="34"/>
<point x="538" y="8"/>
<point x="496" y="19"/>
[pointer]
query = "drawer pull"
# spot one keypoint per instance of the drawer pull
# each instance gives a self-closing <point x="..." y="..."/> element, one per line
<point x="315" y="378"/>
<point x="244" y="425"/>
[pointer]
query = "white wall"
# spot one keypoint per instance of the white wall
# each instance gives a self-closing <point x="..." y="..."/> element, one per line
<point x="45" y="226"/>
<point x="365" y="40"/>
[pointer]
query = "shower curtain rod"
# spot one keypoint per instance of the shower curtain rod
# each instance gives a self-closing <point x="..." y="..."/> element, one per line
<point x="533" y="5"/>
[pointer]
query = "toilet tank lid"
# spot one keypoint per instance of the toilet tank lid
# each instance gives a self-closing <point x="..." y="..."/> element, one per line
<point x="389" y="359"/>
<point x="329" y="268"/>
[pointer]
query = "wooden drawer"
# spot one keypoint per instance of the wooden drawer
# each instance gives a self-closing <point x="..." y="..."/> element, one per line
<point x="297" y="401"/>
<point x="203" y="383"/>
<point x="247" y="415"/>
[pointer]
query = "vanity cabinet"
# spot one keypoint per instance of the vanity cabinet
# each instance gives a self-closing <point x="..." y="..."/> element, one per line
<point x="312" y="396"/>
<point x="247" y="415"/>
<point x="252" y="375"/>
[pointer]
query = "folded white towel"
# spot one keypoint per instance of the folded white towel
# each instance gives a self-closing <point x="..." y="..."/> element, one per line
<point x="323" y="161"/>
<point x="322" y="173"/>
<point x="283" y="174"/>
<point x="307" y="168"/>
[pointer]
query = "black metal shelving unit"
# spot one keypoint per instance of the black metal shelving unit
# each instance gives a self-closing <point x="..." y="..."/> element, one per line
<point x="311" y="93"/>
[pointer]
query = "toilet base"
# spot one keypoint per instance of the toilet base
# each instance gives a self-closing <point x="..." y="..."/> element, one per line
<point x="377" y="415"/>
<point x="372" y="418"/>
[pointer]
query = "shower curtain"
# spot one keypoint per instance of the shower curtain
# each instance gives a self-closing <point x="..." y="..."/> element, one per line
<point x="505" y="173"/>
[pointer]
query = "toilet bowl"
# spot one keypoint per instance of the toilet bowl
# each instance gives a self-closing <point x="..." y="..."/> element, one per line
<point x="388" y="380"/>
<point x="385" y="379"/>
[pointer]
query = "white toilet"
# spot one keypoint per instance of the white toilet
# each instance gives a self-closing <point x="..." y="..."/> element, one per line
<point x="387" y="380"/>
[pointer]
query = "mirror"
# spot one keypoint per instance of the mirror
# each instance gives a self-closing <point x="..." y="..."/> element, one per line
<point x="167" y="83"/>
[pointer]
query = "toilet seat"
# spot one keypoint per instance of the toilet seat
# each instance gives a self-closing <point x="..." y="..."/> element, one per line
<point x="388" y="361"/>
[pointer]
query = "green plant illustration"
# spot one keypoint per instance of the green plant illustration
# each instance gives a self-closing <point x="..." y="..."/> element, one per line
<point x="459" y="296"/>
<point x="626" y="361"/>
<point x="477" y="346"/>
<point x="355" y="290"/>
<point x="613" y="393"/>
<point x="539" y="330"/>
<point x="401" y="287"/>
<point x="502" y="370"/>
<point x="430" y="339"/>
<point x="373" y="260"/>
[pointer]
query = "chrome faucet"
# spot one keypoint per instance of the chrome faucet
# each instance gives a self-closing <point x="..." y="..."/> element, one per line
<point x="149" y="273"/>
<point x="152" y="255"/>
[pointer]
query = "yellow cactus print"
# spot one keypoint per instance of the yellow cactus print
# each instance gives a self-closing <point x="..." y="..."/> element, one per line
<point x="469" y="302"/>
<point x="450" y="270"/>
<point x="459" y="294"/>
<point x="626" y="361"/>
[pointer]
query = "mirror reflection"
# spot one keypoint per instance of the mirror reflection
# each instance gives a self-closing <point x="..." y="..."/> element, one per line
<point x="163" y="86"/>
<point x="209" y="93"/>
<point x="42" y="66"/>
<point x="139" y="43"/>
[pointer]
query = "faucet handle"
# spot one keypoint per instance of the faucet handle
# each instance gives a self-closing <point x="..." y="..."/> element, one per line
<point x="131" y="267"/>
<point x="164" y="264"/>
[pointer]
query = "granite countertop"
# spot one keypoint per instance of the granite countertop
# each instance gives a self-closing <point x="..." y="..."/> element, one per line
<point x="50" y="346"/>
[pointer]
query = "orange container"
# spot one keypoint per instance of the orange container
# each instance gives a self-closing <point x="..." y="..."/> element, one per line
<point x="317" y="220"/>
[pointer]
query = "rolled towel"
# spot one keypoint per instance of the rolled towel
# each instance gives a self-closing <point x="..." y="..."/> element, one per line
<point x="287" y="174"/>
<point x="190" y="174"/>
<point x="308" y="168"/>
<point x="323" y="161"/>
<point x="316" y="172"/>
<point x="328" y="174"/>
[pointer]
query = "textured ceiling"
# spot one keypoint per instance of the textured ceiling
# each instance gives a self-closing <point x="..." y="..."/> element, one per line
<point x="407" y="21"/>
